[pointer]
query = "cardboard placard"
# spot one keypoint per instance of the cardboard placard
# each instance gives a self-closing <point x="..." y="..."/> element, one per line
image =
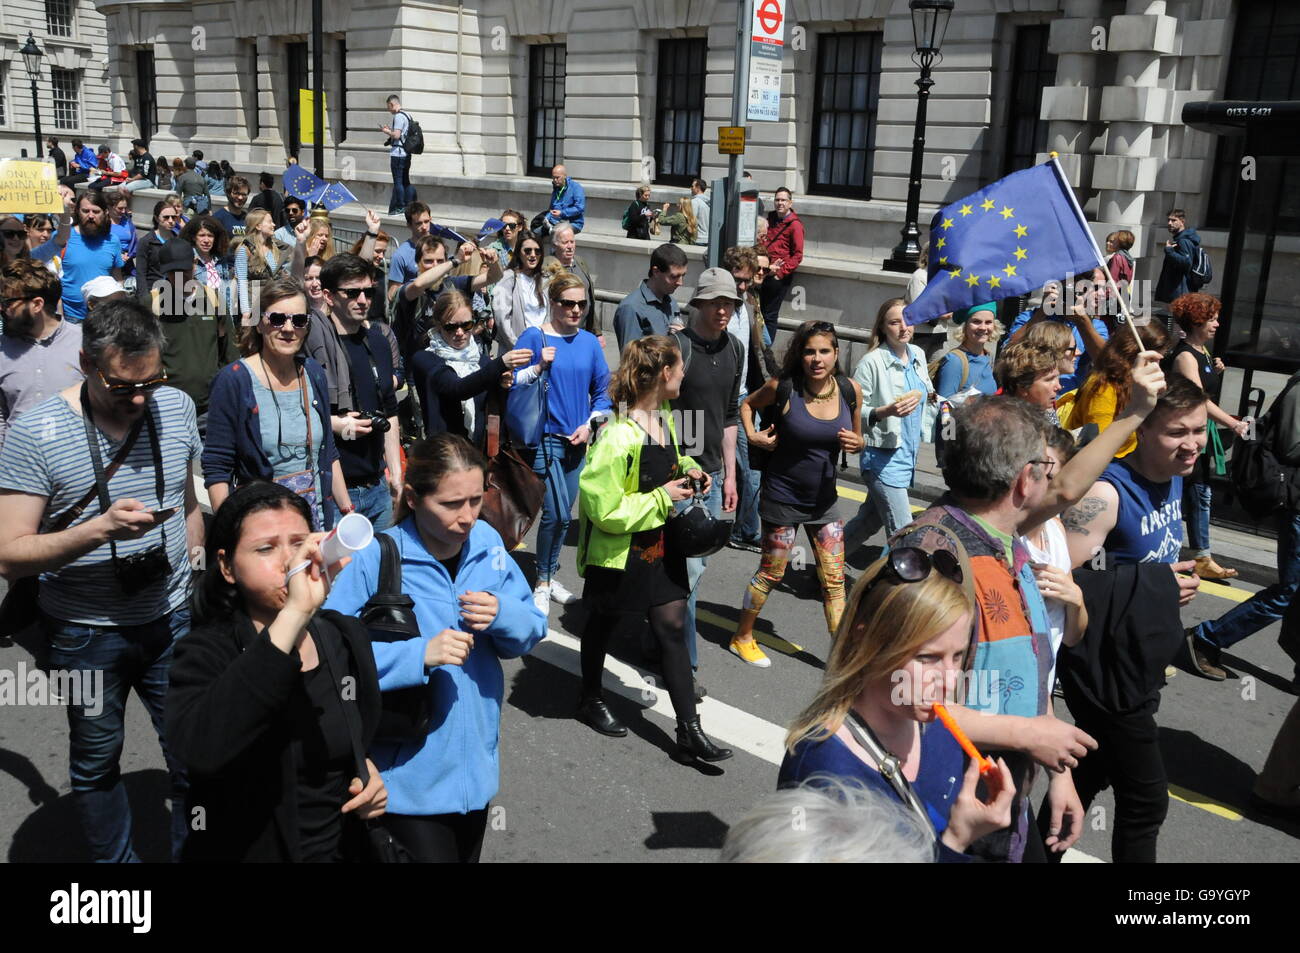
<point x="29" y="185"/>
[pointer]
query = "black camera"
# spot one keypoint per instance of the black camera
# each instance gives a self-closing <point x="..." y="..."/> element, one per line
<point x="139" y="571"/>
<point x="378" y="422"/>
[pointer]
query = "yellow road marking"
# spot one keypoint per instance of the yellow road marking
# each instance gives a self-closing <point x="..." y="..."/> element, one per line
<point x="774" y="642"/>
<point x="1203" y="802"/>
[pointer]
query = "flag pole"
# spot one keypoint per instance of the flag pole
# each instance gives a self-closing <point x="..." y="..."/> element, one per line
<point x="1127" y="316"/>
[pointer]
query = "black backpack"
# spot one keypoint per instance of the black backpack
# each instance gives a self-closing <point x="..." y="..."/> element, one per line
<point x="389" y="615"/>
<point x="1261" y="482"/>
<point x="413" y="141"/>
<point x="1202" y="272"/>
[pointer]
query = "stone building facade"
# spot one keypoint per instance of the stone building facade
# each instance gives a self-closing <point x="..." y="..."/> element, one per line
<point x="73" y="89"/>
<point x="631" y="90"/>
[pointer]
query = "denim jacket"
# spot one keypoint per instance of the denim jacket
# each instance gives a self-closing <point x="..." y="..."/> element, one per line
<point x="881" y="374"/>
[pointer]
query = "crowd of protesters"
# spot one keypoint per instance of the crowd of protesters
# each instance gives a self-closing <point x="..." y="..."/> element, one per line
<point x="302" y="383"/>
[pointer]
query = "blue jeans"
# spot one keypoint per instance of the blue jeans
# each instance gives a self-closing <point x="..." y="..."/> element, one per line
<point x="886" y="506"/>
<point x="134" y="656"/>
<point x="403" y="191"/>
<point x="561" y="477"/>
<point x="695" y="568"/>
<point x="138" y="184"/>
<point x="747" y="528"/>
<point x="1267" y="605"/>
<point x="374" y="502"/>
<point x="1196" y="511"/>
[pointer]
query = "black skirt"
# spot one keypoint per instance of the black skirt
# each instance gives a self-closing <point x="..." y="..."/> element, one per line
<point x="653" y="574"/>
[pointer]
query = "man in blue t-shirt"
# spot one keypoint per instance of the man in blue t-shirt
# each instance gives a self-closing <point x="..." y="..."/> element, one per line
<point x="402" y="268"/>
<point x="232" y="216"/>
<point x="1089" y="292"/>
<point x="91" y="252"/>
<point x="413" y="306"/>
<point x="1133" y="515"/>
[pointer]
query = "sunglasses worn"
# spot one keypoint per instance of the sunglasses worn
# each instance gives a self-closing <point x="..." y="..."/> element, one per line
<point x="130" y="390"/>
<point x="6" y="302"/>
<point x="459" y="326"/>
<point x="352" y="294"/>
<point x="11" y="233"/>
<point x="580" y="304"/>
<point x="277" y="320"/>
<point x="530" y="252"/>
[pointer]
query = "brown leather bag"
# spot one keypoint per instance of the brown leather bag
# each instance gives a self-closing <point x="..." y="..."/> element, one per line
<point x="514" y="493"/>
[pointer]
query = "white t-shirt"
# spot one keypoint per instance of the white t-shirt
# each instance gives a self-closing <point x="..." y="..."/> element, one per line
<point x="534" y="314"/>
<point x="739" y="326"/>
<point x="1056" y="554"/>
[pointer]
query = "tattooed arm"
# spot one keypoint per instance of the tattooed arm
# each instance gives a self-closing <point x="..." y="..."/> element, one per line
<point x="1089" y="522"/>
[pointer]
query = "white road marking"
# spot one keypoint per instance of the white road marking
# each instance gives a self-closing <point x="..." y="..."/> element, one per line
<point x="727" y="724"/>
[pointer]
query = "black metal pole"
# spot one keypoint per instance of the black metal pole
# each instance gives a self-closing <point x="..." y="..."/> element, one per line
<point x="908" y="250"/>
<point x="318" y="86"/>
<point x="36" y="114"/>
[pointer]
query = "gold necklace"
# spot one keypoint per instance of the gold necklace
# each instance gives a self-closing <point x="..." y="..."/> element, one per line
<point x="830" y="393"/>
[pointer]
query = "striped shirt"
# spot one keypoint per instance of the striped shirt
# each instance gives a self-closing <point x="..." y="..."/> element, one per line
<point x="45" y="454"/>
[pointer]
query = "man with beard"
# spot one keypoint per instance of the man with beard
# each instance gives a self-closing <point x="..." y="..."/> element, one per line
<point x="92" y="251"/>
<point x="294" y="210"/>
<point x="38" y="350"/>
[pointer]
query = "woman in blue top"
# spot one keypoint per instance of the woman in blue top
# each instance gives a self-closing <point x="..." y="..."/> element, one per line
<point x="578" y="394"/>
<point x="813" y="406"/>
<point x="898" y="411"/>
<point x="269" y="414"/>
<point x="970" y="363"/>
<point x="899" y="650"/>
<point x="473" y="610"/>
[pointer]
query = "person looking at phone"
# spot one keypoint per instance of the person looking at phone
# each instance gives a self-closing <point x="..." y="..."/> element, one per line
<point x="254" y="697"/>
<point x="96" y="499"/>
<point x="900" y="647"/>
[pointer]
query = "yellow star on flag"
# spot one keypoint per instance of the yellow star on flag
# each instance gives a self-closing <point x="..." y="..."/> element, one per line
<point x="955" y="273"/>
<point x="1021" y="231"/>
<point x="943" y="260"/>
<point x="1009" y="271"/>
<point x="972" y="280"/>
<point x="966" y="210"/>
<point x="940" y="243"/>
<point x="1020" y="254"/>
<point x="947" y="223"/>
<point x="987" y="205"/>
<point x="1007" y="212"/>
<point x="995" y="281"/>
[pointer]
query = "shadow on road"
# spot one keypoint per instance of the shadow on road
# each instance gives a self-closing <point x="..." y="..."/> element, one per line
<point x="699" y="830"/>
<point x="52" y="833"/>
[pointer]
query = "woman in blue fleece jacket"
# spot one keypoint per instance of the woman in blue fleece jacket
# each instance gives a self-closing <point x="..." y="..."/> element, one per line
<point x="474" y="609"/>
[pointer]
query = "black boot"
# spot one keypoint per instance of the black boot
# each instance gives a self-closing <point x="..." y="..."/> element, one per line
<point x="593" y="712"/>
<point x="692" y="742"/>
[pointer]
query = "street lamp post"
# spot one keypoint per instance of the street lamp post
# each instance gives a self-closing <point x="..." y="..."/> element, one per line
<point x="31" y="54"/>
<point x="929" y="22"/>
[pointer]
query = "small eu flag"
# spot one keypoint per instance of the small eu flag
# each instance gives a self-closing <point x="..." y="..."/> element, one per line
<point x="335" y="196"/>
<point x="1009" y="238"/>
<point x="442" y="231"/>
<point x="302" y="183"/>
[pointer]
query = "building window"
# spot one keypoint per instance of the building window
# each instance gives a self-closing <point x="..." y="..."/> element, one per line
<point x="58" y="17"/>
<point x="1032" y="69"/>
<point x="1264" y="67"/>
<point x="67" y="98"/>
<point x="296" y="74"/>
<point x="4" y="99"/>
<point x="253" y="91"/>
<point x="147" y="90"/>
<point x="546" y="71"/>
<point x="341" y="97"/>
<point x="679" y="111"/>
<point x="846" y="96"/>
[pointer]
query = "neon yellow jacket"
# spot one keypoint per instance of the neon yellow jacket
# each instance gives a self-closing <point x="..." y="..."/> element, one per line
<point x="611" y="506"/>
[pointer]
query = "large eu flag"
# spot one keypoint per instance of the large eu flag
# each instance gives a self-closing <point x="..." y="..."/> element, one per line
<point x="1009" y="238"/>
<point x="302" y="183"/>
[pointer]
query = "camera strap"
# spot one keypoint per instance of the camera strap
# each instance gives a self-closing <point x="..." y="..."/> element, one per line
<point x="101" y="479"/>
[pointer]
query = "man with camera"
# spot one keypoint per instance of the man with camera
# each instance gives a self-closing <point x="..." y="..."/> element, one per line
<point x="97" y="500"/>
<point x="365" y="416"/>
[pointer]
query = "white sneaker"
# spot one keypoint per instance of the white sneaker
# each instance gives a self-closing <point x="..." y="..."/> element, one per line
<point x="560" y="594"/>
<point x="542" y="598"/>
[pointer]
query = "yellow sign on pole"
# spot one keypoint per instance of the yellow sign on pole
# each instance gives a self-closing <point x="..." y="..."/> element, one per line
<point x="307" y="116"/>
<point x="29" y="185"/>
<point x="731" y="140"/>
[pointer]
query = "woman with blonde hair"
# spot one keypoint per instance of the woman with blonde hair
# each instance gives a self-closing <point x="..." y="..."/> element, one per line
<point x="260" y="257"/>
<point x="635" y="475"/>
<point x="1057" y="338"/>
<point x="319" y="240"/>
<point x="901" y="646"/>
<point x="682" y="221"/>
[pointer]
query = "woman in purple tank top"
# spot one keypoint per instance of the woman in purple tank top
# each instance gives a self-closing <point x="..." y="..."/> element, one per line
<point x="812" y="418"/>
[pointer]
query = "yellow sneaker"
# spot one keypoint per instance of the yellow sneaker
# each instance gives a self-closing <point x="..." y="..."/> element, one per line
<point x="750" y="652"/>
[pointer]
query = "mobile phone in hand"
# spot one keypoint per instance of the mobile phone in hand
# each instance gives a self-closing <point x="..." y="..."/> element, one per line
<point x="161" y="516"/>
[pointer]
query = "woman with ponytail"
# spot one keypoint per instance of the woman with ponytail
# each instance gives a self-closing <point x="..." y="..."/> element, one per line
<point x="636" y="472"/>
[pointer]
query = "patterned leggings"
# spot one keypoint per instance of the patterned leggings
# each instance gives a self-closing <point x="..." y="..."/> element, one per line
<point x="778" y="549"/>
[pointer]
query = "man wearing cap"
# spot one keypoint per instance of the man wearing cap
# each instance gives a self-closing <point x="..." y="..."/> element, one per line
<point x="101" y="290"/>
<point x="708" y="405"/>
<point x="143" y="172"/>
<point x="111" y="170"/>
<point x="38" y="350"/>
<point x="564" y="257"/>
<point x="197" y="332"/>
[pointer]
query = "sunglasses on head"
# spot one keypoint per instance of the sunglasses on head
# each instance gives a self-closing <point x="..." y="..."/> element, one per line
<point x="130" y="390"/>
<point x="454" y="327"/>
<point x="277" y="320"/>
<point x="911" y="564"/>
<point x="352" y="294"/>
